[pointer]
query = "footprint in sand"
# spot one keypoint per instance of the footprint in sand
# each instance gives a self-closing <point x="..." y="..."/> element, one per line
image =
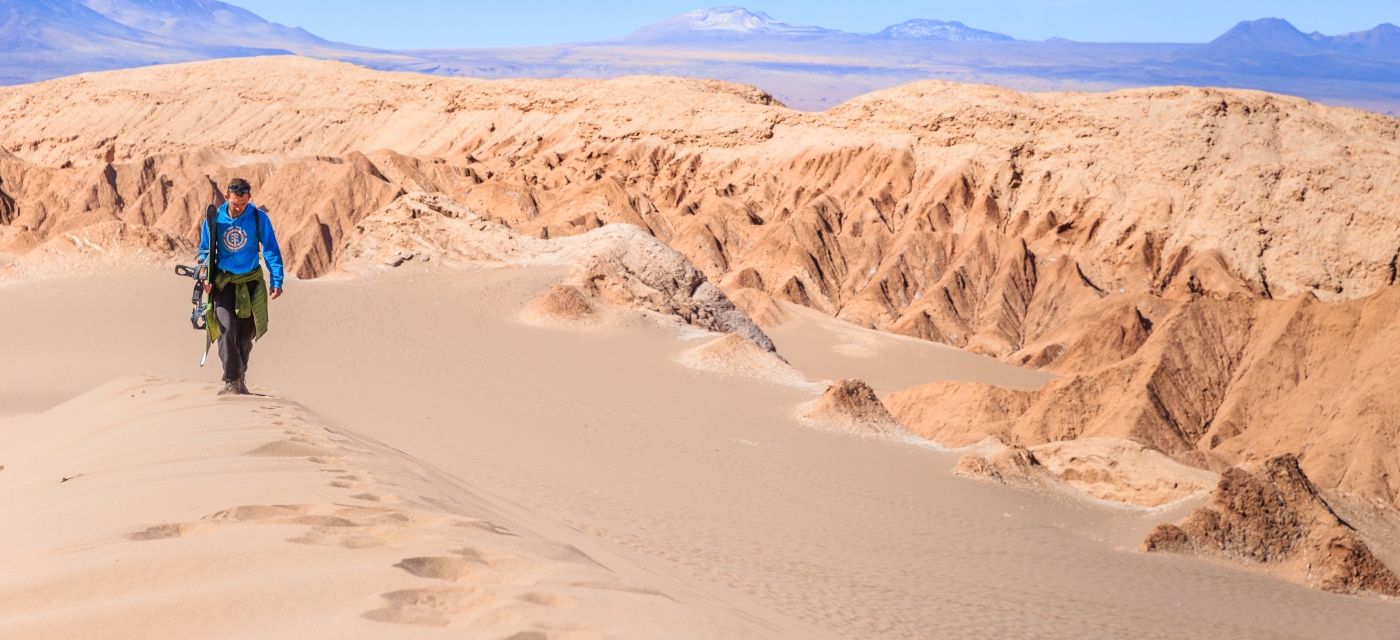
<point x="353" y="527"/>
<point x="260" y="512"/>
<point x="430" y="605"/>
<point x="362" y="542"/>
<point x="163" y="531"/>
<point x="551" y="600"/>
<point x="290" y="449"/>
<point x="529" y="635"/>
<point x="350" y="481"/>
<point x="488" y="527"/>
<point x="375" y="497"/>
<point x="453" y="599"/>
<point x="440" y="567"/>
<point x="496" y="559"/>
<point x="347" y="539"/>
<point x="322" y="521"/>
<point x="409" y="615"/>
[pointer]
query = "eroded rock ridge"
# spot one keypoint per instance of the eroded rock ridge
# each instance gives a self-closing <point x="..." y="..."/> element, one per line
<point x="1212" y="271"/>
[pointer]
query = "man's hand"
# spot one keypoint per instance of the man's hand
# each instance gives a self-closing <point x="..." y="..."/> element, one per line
<point x="276" y="291"/>
<point x="208" y="287"/>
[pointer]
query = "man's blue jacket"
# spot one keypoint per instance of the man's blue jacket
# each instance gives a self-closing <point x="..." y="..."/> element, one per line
<point x="238" y="252"/>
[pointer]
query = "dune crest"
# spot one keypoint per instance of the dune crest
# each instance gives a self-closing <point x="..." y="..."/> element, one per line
<point x="280" y="516"/>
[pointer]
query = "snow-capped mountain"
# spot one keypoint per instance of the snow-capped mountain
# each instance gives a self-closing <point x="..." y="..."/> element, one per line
<point x="737" y="23"/>
<point x="940" y="30"/>
<point x="729" y="21"/>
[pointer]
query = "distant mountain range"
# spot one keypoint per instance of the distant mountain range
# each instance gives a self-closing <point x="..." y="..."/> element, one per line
<point x="42" y="39"/>
<point x="207" y="23"/>
<point x="807" y="67"/>
<point x="737" y="23"/>
<point x="723" y="22"/>
<point x="1275" y="36"/>
<point x="939" y="30"/>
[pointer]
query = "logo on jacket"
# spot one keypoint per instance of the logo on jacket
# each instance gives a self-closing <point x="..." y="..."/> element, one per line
<point x="235" y="238"/>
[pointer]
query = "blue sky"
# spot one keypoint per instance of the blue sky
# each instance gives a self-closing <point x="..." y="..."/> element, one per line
<point x="411" y="24"/>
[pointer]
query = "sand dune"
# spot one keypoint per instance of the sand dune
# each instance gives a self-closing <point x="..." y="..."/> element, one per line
<point x="703" y="487"/>
<point x="150" y="508"/>
<point x="1134" y="291"/>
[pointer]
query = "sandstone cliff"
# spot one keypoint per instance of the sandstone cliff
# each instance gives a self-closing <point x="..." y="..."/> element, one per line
<point x="1212" y="272"/>
<point x="620" y="267"/>
<point x="1273" y="517"/>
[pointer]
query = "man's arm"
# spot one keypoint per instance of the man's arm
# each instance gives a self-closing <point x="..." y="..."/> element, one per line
<point x="272" y="255"/>
<point x="203" y="241"/>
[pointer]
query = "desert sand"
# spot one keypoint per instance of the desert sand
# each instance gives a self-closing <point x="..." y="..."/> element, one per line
<point x="317" y="520"/>
<point x="701" y="359"/>
<point x="450" y="410"/>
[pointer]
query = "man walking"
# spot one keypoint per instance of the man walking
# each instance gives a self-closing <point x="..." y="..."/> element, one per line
<point x="238" y="295"/>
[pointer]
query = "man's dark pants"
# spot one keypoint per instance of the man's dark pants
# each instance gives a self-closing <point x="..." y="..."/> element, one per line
<point x="235" y="334"/>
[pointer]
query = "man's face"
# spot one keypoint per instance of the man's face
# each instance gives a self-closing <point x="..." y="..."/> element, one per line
<point x="238" y="198"/>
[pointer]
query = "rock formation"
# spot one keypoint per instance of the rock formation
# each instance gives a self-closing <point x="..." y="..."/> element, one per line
<point x="1122" y="471"/>
<point x="1274" y="517"/>
<point x="620" y="266"/>
<point x="734" y="355"/>
<point x="104" y="245"/>
<point x="1012" y="465"/>
<point x="565" y="304"/>
<point x="1217" y="381"/>
<point x="1212" y="272"/>
<point x="1105" y="468"/>
<point x="851" y="406"/>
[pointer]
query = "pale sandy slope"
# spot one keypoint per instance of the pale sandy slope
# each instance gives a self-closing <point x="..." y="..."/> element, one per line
<point x="150" y="508"/>
<point x="706" y="487"/>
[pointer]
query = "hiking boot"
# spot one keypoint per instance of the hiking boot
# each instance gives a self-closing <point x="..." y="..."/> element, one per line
<point x="229" y="389"/>
<point x="242" y="387"/>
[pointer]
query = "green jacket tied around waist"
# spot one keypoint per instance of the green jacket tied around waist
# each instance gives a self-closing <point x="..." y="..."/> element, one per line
<point x="247" y="301"/>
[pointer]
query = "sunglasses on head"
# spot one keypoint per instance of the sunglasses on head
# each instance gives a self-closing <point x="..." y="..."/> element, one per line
<point x="233" y="188"/>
